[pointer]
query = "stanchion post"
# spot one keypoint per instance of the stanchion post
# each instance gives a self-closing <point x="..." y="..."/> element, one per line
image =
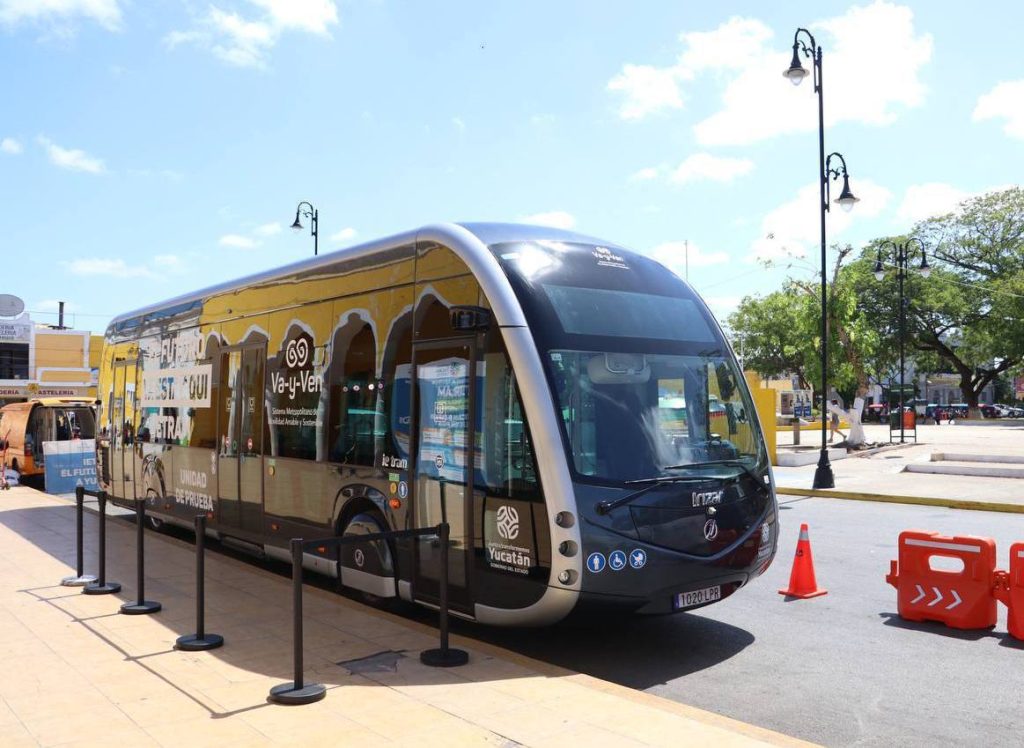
<point x="200" y="640"/>
<point x="444" y="656"/>
<point x="101" y="586"/>
<point x="141" y="606"/>
<point x="80" y="579"/>
<point x="297" y="692"/>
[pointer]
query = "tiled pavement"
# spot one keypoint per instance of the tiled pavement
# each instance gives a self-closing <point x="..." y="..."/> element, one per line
<point x="73" y="671"/>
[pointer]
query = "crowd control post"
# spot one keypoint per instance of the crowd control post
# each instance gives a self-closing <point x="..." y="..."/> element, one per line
<point x="297" y="692"/>
<point x="80" y="579"/>
<point x="199" y="640"/>
<point x="444" y="656"/>
<point x="101" y="586"/>
<point x="141" y="606"/>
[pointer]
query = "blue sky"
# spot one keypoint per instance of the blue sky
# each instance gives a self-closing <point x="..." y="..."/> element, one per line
<point x="153" y="147"/>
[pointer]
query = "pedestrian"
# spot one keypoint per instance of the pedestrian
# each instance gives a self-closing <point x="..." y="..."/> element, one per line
<point x="938" y="416"/>
<point x="834" y="424"/>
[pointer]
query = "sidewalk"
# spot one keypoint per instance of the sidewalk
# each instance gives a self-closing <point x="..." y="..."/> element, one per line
<point x="880" y="476"/>
<point x="76" y="672"/>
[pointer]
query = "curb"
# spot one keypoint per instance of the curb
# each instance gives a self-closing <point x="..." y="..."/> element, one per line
<point x="981" y="506"/>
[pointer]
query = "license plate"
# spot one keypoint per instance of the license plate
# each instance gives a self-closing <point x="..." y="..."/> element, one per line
<point x="698" y="597"/>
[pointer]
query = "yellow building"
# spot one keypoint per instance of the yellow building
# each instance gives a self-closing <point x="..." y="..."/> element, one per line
<point x="39" y="360"/>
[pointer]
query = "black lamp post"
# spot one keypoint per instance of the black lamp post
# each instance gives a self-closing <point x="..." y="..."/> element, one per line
<point x="902" y="252"/>
<point x="310" y="212"/>
<point x="796" y="72"/>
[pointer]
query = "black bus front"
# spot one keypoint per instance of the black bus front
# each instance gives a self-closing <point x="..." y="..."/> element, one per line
<point x="670" y="472"/>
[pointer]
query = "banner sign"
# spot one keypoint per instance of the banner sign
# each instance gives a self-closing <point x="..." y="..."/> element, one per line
<point x="69" y="464"/>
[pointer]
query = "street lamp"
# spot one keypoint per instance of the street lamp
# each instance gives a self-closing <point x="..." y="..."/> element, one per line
<point x="309" y="212"/>
<point x="902" y="252"/>
<point x="796" y="72"/>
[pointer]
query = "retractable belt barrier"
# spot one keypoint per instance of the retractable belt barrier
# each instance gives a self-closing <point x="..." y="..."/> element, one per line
<point x="961" y="600"/>
<point x="1009" y="590"/>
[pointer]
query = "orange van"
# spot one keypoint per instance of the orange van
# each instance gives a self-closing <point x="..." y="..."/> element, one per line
<point x="25" y="426"/>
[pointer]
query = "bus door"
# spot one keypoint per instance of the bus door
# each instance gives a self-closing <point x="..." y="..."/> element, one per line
<point x="122" y="430"/>
<point x="240" y="441"/>
<point x="444" y="390"/>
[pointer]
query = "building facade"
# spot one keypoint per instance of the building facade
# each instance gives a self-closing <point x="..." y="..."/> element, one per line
<point x="39" y="360"/>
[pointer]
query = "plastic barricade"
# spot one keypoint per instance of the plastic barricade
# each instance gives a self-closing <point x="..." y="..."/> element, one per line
<point x="960" y="599"/>
<point x="1009" y="589"/>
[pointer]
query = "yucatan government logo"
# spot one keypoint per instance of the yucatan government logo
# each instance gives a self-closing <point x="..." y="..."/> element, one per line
<point x="296" y="353"/>
<point x="508" y="522"/>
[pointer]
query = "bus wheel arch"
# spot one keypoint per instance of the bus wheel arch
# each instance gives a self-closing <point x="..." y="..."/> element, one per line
<point x="370" y="569"/>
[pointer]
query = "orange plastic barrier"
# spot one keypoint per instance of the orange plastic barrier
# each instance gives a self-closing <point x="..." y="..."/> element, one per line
<point x="1009" y="590"/>
<point x="909" y="419"/>
<point x="959" y="599"/>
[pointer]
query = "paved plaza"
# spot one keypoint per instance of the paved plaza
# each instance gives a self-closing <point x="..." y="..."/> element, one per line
<point x="882" y="473"/>
<point x="76" y="672"/>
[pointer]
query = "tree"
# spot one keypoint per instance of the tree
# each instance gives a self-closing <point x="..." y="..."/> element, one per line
<point x="767" y="330"/>
<point x="971" y="311"/>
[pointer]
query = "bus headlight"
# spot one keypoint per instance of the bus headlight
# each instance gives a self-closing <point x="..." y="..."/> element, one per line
<point x="568" y="576"/>
<point x="565" y="519"/>
<point x="568" y="548"/>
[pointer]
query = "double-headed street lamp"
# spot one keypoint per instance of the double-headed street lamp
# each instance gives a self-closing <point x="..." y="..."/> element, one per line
<point x="902" y="252"/>
<point x="796" y="72"/>
<point x="309" y="212"/>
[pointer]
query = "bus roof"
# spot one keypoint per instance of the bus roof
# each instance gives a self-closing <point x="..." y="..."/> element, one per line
<point x="487" y="233"/>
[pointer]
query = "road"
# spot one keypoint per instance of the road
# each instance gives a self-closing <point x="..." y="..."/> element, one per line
<point x="841" y="670"/>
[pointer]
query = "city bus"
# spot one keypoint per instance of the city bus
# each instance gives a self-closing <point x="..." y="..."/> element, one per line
<point x="569" y="407"/>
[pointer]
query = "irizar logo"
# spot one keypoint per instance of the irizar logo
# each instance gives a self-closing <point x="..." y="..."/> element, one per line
<point x="508" y="522"/>
<point x="710" y="530"/>
<point x="296" y="353"/>
<point x="707" y="498"/>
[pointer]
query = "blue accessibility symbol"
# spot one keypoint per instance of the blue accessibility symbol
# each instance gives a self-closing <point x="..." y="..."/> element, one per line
<point x="596" y="562"/>
<point x="617" y="560"/>
<point x="638" y="558"/>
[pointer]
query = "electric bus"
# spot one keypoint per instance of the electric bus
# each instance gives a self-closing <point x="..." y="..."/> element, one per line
<point x="569" y="407"/>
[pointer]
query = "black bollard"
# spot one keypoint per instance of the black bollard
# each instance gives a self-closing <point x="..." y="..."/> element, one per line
<point x="80" y="579"/>
<point x="297" y="692"/>
<point x="141" y="606"/>
<point x="200" y="640"/>
<point x="101" y="586"/>
<point x="444" y="656"/>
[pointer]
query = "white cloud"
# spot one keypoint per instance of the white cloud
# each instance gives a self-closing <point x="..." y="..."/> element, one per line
<point x="11" y="146"/>
<point x="268" y="229"/>
<point x="1005" y="101"/>
<point x="237" y="240"/>
<point x="757" y="103"/>
<point x="704" y="166"/>
<point x="647" y="90"/>
<point x="107" y="13"/>
<point x="922" y="201"/>
<point x="795" y="226"/>
<point x="246" y="42"/>
<point x="344" y="235"/>
<point x="645" y="175"/>
<point x="108" y="267"/>
<point x="459" y="124"/>
<point x="556" y="219"/>
<point x="676" y="256"/>
<point x="169" y="264"/>
<point x="71" y="158"/>
<point x="722" y="306"/>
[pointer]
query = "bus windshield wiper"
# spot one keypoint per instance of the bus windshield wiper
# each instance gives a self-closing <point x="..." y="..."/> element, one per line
<point x="649" y="484"/>
<point x="714" y="463"/>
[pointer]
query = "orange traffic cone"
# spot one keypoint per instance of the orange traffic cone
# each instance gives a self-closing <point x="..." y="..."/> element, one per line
<point x="801" y="580"/>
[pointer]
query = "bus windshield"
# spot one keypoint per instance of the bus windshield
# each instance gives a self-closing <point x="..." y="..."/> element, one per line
<point x="630" y="416"/>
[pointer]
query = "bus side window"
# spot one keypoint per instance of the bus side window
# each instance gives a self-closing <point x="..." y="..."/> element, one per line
<point x="355" y="395"/>
<point x="506" y="465"/>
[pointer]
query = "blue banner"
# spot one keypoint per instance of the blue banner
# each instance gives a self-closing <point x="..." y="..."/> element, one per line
<point x="69" y="464"/>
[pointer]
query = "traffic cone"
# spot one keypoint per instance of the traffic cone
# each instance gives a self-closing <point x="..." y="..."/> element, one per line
<point x="801" y="580"/>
